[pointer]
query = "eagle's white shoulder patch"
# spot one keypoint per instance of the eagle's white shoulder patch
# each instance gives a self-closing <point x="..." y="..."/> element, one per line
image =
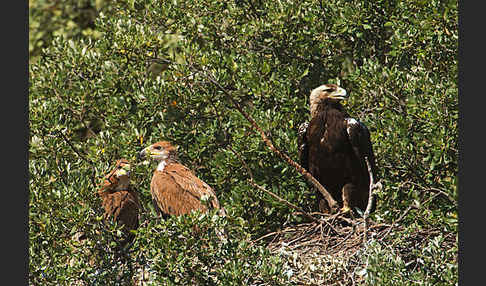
<point x="350" y="122"/>
<point x="161" y="166"/>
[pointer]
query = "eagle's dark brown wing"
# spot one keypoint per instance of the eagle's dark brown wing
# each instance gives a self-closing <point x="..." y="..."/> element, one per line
<point x="360" y="139"/>
<point x="359" y="136"/>
<point x="303" y="144"/>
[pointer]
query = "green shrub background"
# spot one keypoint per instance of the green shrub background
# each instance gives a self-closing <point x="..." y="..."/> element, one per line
<point x="106" y="78"/>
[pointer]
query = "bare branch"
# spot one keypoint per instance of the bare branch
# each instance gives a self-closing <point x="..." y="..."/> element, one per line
<point x="373" y="186"/>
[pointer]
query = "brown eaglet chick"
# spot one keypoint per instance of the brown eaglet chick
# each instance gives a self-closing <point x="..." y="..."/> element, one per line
<point x="175" y="189"/>
<point x="120" y="200"/>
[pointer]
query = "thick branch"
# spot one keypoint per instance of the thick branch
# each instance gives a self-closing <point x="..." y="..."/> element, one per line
<point x="332" y="203"/>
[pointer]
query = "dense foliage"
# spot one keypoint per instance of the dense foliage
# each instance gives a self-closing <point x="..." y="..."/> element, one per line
<point x="107" y="78"/>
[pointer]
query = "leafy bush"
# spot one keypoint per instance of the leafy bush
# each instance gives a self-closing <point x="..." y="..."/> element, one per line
<point x="139" y="71"/>
<point x="433" y="266"/>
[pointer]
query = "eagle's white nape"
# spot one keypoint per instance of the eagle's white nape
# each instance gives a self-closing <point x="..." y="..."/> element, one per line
<point x="161" y="166"/>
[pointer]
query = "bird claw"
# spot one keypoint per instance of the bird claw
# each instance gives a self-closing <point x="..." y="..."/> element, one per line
<point x="345" y="209"/>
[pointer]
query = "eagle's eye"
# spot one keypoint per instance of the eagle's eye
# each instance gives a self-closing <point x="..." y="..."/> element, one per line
<point x="157" y="147"/>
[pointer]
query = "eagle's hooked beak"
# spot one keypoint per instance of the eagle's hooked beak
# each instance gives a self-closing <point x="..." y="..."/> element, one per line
<point x="156" y="153"/>
<point x="339" y="94"/>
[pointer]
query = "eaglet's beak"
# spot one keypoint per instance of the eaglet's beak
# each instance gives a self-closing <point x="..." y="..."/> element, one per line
<point x="339" y="94"/>
<point x="124" y="171"/>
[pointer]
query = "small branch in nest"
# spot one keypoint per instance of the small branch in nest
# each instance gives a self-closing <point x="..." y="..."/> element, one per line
<point x="252" y="182"/>
<point x="272" y="233"/>
<point x="397" y="221"/>
<point x="373" y="186"/>
<point x="332" y="203"/>
<point x="436" y="190"/>
<point x="344" y="240"/>
<point x="402" y="216"/>
<point x="289" y="204"/>
<point x="93" y="180"/>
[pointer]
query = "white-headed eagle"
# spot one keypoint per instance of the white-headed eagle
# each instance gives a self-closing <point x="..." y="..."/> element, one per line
<point x="175" y="189"/>
<point x="333" y="147"/>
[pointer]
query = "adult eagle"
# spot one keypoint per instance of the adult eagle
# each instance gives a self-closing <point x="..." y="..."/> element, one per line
<point x="120" y="200"/>
<point x="175" y="189"/>
<point x="333" y="147"/>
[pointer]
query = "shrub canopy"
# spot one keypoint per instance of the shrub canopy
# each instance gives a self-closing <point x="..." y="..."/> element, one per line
<point x="107" y="78"/>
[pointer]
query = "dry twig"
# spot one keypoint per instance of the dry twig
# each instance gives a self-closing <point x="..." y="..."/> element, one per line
<point x="373" y="186"/>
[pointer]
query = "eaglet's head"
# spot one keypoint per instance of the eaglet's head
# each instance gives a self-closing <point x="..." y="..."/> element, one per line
<point x="159" y="151"/>
<point x="119" y="177"/>
<point x="326" y="93"/>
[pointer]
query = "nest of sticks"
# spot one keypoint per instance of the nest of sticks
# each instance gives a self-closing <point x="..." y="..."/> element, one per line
<point x="331" y="251"/>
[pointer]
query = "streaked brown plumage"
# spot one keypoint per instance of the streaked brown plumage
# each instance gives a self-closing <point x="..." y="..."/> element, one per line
<point x="120" y="200"/>
<point x="175" y="189"/>
<point x="332" y="148"/>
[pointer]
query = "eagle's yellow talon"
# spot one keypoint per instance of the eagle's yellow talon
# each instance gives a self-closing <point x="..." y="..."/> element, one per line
<point x="345" y="209"/>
